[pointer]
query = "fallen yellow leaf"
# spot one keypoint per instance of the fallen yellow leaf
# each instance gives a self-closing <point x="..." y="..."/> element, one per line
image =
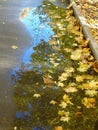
<point x="14" y="47"/>
<point x="58" y="128"/>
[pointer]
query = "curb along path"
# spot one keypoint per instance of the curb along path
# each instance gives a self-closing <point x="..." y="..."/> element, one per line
<point x="86" y="30"/>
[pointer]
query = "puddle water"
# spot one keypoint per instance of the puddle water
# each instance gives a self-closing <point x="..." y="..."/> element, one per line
<point x="47" y="87"/>
<point x="37" y="24"/>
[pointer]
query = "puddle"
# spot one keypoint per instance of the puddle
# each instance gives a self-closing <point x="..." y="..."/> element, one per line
<point x="37" y="23"/>
<point x="52" y="94"/>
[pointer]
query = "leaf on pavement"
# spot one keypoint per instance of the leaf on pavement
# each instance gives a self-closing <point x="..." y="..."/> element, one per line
<point x="14" y="47"/>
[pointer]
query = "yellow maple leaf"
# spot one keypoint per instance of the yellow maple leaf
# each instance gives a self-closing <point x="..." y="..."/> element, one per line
<point x="86" y="86"/>
<point x="52" y="0"/>
<point x="14" y="47"/>
<point x="67" y="99"/>
<point x="24" y="13"/>
<point x="84" y="67"/>
<point x="75" y="55"/>
<point x="89" y="102"/>
<point x="70" y="89"/>
<point x="63" y="104"/>
<point x="79" y="39"/>
<point x="58" y="128"/>
<point x="79" y="78"/>
<point x="36" y="95"/>
<point x="52" y="42"/>
<point x="87" y="76"/>
<point x="91" y="93"/>
<point x="65" y="118"/>
<point x="60" y="84"/>
<point x="53" y="102"/>
<point x="61" y="112"/>
<point x="68" y="50"/>
<point x="63" y="77"/>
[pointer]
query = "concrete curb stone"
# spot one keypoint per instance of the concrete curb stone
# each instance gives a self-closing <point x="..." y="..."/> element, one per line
<point x="86" y="30"/>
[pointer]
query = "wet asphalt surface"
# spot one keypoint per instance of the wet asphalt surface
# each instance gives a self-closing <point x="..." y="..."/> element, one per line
<point x="12" y="32"/>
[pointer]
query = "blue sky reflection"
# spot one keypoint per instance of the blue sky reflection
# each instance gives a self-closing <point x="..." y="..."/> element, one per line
<point x="37" y="23"/>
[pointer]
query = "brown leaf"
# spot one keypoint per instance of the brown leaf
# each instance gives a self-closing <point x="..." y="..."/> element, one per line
<point x="95" y="66"/>
<point x="48" y="80"/>
<point x="78" y="114"/>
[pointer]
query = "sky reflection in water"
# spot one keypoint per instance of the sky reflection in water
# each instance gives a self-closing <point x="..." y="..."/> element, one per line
<point x="38" y="25"/>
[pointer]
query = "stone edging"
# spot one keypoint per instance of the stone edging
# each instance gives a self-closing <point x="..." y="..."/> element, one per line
<point x="86" y="29"/>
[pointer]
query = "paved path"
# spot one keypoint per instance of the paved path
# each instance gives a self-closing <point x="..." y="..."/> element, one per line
<point x="12" y="32"/>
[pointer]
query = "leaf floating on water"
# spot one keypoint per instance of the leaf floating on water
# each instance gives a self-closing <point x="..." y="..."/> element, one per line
<point x="76" y="54"/>
<point x="14" y="47"/>
<point x="58" y="128"/>
<point x="67" y="99"/>
<point x="57" y="16"/>
<point x="52" y="42"/>
<point x="65" y="118"/>
<point x="89" y="102"/>
<point x="24" y="13"/>
<point x="15" y="127"/>
<point x="36" y="95"/>
<point x="70" y="90"/>
<point x="78" y="114"/>
<point x="52" y="0"/>
<point x="68" y="50"/>
<point x="63" y="104"/>
<point x="84" y="67"/>
<point x="53" y="102"/>
<point x="91" y="93"/>
<point x="79" y="78"/>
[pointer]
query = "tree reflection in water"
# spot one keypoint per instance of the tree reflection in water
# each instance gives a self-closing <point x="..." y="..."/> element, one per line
<point x="48" y="92"/>
<point x="34" y="91"/>
<point x="34" y="110"/>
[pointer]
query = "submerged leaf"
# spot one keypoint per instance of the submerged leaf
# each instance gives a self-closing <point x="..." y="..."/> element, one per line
<point x="36" y="95"/>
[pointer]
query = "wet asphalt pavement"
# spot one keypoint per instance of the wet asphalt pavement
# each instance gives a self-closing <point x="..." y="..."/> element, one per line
<point x="12" y="32"/>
